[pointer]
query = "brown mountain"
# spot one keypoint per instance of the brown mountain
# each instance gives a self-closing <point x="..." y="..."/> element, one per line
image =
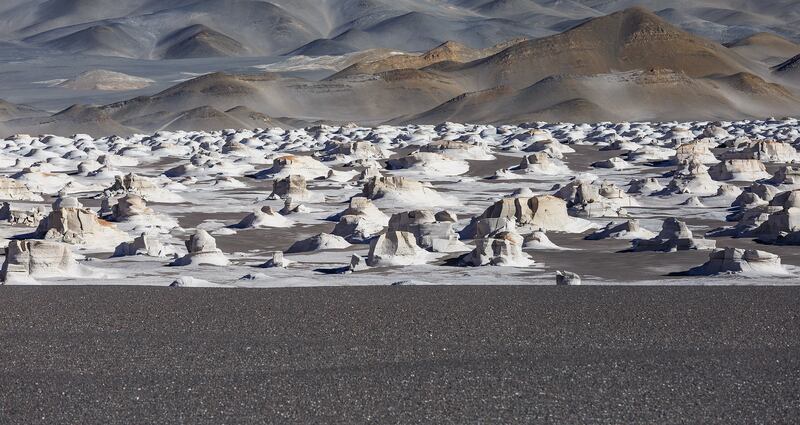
<point x="632" y="39"/>
<point x="765" y="47"/>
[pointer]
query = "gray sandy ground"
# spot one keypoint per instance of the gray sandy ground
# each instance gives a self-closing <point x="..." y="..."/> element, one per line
<point x="400" y="355"/>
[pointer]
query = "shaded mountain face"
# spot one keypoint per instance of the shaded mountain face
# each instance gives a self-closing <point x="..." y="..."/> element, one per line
<point x="628" y="65"/>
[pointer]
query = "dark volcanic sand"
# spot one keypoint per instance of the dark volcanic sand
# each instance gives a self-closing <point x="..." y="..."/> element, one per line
<point x="400" y="354"/>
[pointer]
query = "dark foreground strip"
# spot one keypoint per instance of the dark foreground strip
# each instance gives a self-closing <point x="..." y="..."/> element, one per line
<point x="400" y="354"/>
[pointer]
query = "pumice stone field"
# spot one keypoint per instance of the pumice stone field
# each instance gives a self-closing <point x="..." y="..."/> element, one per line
<point x="278" y="143"/>
<point x="699" y="203"/>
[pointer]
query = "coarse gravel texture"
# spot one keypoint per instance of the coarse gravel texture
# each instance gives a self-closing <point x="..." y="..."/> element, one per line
<point x="438" y="354"/>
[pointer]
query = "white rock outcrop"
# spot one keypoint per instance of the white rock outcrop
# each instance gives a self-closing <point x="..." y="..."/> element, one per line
<point x="401" y="191"/>
<point x="739" y="170"/>
<point x="30" y="259"/>
<point x="430" y="232"/>
<point x="567" y="278"/>
<point x="319" y="242"/>
<point x="288" y="165"/>
<point x="71" y="223"/>
<point x="263" y="217"/>
<point x="674" y="236"/>
<point x="741" y="261"/>
<point x="627" y="230"/>
<point x="145" y="245"/>
<point x="395" y="249"/>
<point x="294" y="187"/>
<point x="202" y="251"/>
<point x="429" y="163"/>
<point x="538" y="212"/>
<point x="145" y="187"/>
<point x="499" y="249"/>
<point x="12" y="190"/>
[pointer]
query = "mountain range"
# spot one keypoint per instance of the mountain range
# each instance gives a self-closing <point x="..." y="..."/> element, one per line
<point x="411" y="61"/>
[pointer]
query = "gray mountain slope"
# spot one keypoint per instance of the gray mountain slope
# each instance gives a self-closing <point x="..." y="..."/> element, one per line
<point x="101" y="40"/>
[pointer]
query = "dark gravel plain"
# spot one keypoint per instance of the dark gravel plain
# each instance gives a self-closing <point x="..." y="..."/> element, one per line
<point x="117" y="355"/>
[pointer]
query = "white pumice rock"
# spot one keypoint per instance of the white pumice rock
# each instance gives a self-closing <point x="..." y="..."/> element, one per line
<point x="542" y="163"/>
<point x="741" y="261"/>
<point x="786" y="175"/>
<point x="70" y="222"/>
<point x="28" y="260"/>
<point x="277" y="261"/>
<point x="193" y="282"/>
<point x="357" y="228"/>
<point x="454" y="149"/>
<point x="13" y="190"/>
<point x="346" y="151"/>
<point x="692" y="178"/>
<point x="615" y="163"/>
<point x="587" y="199"/>
<point x="227" y="182"/>
<point x="500" y="249"/>
<point x="400" y="191"/>
<point x="627" y="230"/>
<point x="146" y="245"/>
<point x="539" y="240"/>
<point x="357" y="264"/>
<point x="551" y="146"/>
<point x="699" y="151"/>
<point x="429" y="163"/>
<point x="263" y="217"/>
<point x="567" y="278"/>
<point x="431" y="233"/>
<point x="674" y="236"/>
<point x="203" y="250"/>
<point x="395" y="249"/>
<point x="29" y="218"/>
<point x="765" y="151"/>
<point x="782" y="225"/>
<point x="288" y="165"/>
<point x="294" y="187"/>
<point x="739" y="169"/>
<point x="693" y="201"/>
<point x="145" y="187"/>
<point x="319" y="242"/>
<point x="540" y="212"/>
<point x="645" y="186"/>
